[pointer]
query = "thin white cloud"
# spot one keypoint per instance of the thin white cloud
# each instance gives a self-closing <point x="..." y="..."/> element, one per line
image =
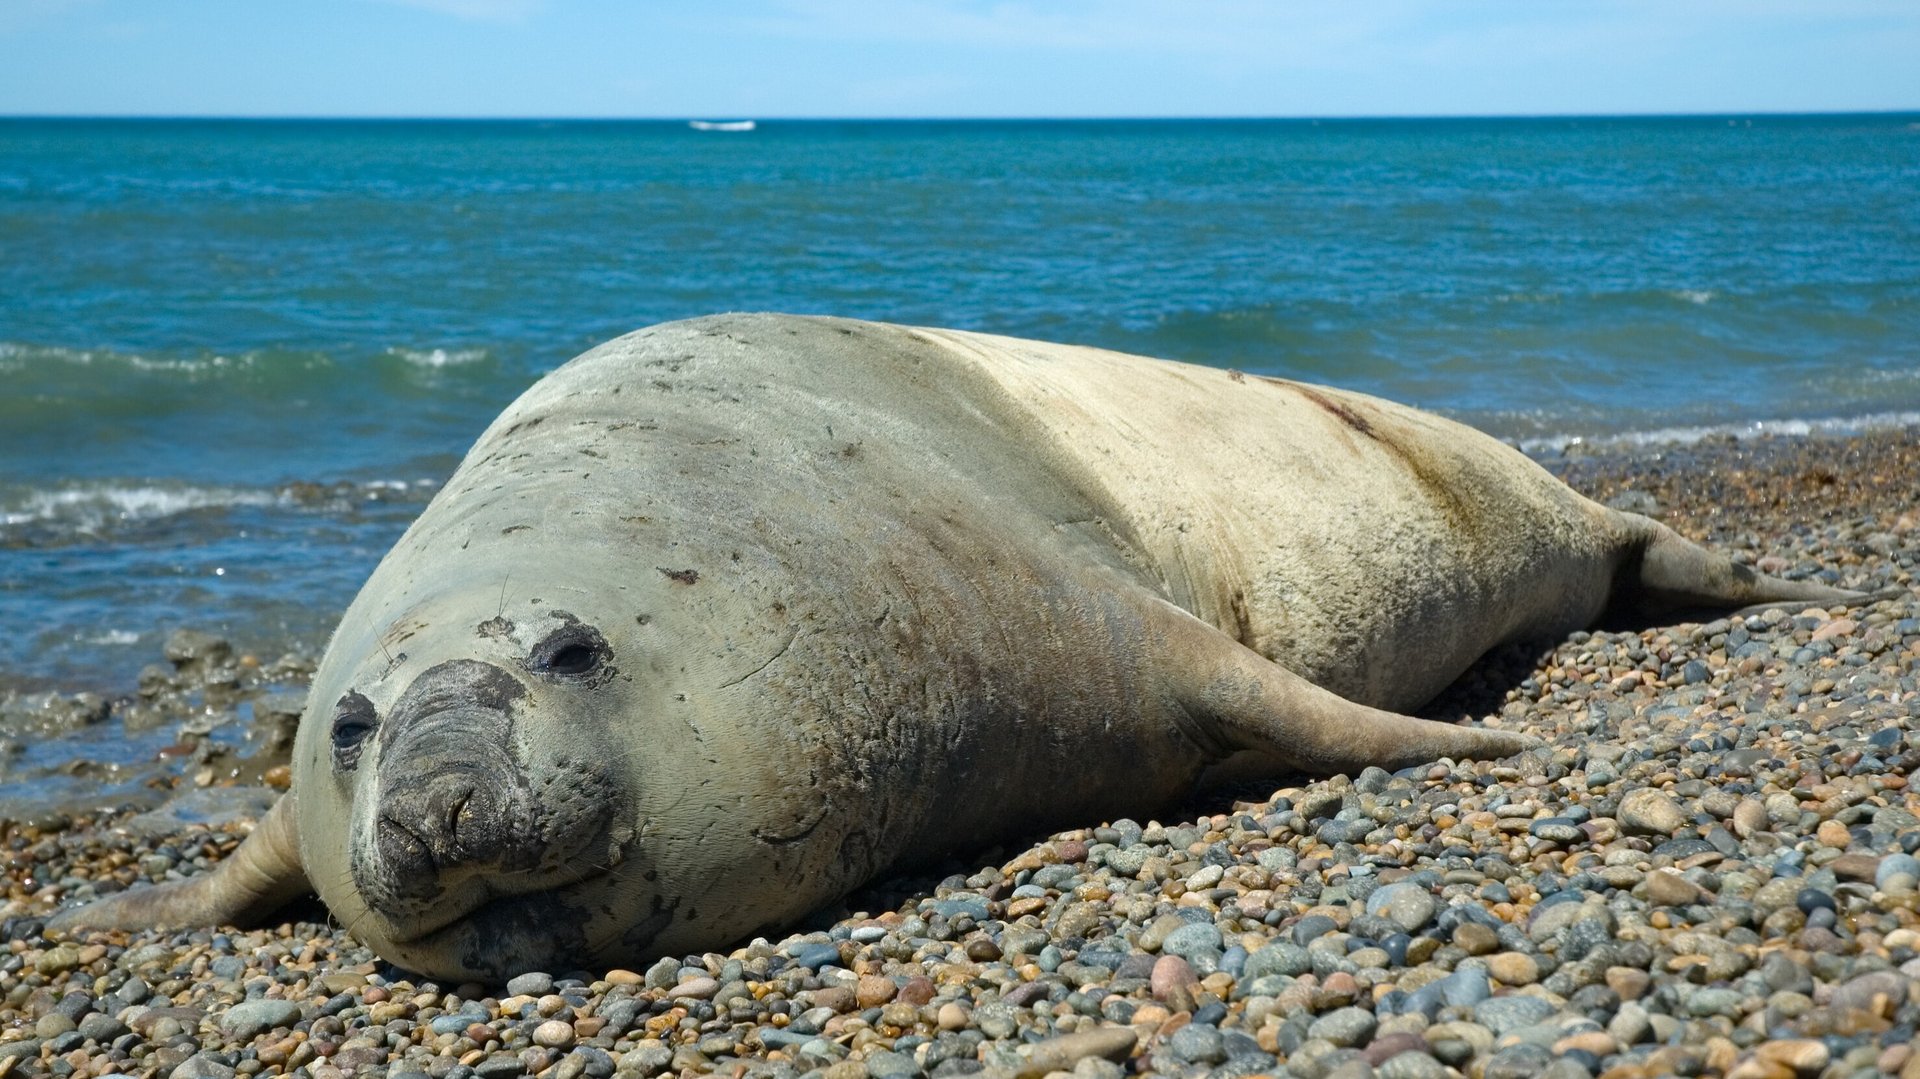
<point x="507" y="11"/>
<point x="1272" y="31"/>
<point x="1375" y="57"/>
<point x="28" y="14"/>
<point x="1207" y="26"/>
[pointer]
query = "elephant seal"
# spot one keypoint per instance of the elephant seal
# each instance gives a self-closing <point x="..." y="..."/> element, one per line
<point x="725" y="617"/>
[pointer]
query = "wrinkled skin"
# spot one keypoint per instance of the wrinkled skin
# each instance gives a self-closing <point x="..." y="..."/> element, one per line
<point x="727" y="616"/>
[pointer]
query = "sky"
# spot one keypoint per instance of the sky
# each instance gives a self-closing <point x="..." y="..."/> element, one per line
<point x="724" y="59"/>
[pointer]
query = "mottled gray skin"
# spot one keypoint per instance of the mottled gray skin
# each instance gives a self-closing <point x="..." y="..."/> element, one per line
<point x="726" y="617"/>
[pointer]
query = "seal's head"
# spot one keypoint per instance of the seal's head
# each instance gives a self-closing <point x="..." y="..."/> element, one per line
<point x="493" y="781"/>
<point x="479" y="799"/>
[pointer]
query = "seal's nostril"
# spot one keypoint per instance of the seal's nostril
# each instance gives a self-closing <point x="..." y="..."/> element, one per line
<point x="406" y="854"/>
<point x="456" y="807"/>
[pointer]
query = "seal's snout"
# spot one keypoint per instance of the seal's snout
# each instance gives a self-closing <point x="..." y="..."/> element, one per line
<point x="429" y="829"/>
<point x="448" y="804"/>
<point x="408" y="857"/>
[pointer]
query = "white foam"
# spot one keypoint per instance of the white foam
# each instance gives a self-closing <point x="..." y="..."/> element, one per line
<point x="1687" y="435"/>
<point x="89" y="509"/>
<point x="14" y="356"/>
<point x="440" y="357"/>
<point x="114" y="637"/>
<point x="188" y="366"/>
<point x="1701" y="296"/>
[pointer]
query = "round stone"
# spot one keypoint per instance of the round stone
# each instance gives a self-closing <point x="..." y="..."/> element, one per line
<point x="1278" y="957"/>
<point x="1344" y="1026"/>
<point x="532" y="984"/>
<point x="244" y="1021"/>
<point x="1651" y="812"/>
<point x="1197" y="1043"/>
<point x="1812" y="899"/>
<point x="1513" y="968"/>
<point x="1897" y="874"/>
<point x="1188" y="941"/>
<point x="1556" y="830"/>
<point x="1406" y="904"/>
<point x="1504" y="1014"/>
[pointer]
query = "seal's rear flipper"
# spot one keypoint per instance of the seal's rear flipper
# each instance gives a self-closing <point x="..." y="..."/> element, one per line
<point x="1241" y="701"/>
<point x="1666" y="573"/>
<point x="261" y="876"/>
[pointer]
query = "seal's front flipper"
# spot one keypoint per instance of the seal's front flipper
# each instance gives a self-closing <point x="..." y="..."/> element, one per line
<point x="262" y="875"/>
<point x="1666" y="573"/>
<point x="1242" y="701"/>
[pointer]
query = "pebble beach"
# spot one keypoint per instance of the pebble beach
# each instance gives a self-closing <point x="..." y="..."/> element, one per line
<point x="1708" y="870"/>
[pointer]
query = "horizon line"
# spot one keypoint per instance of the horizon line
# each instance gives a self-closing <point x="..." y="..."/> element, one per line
<point x="1010" y="118"/>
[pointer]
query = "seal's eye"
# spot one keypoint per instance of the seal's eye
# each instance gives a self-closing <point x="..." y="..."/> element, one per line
<point x="574" y="650"/>
<point x="353" y="720"/>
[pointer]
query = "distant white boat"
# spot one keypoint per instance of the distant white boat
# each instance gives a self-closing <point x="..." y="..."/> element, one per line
<point x="721" y="125"/>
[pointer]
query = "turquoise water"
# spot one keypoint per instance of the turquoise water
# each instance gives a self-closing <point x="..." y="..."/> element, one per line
<point x="236" y="357"/>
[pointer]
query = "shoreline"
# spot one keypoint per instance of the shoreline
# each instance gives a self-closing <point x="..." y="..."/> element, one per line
<point x="1709" y="871"/>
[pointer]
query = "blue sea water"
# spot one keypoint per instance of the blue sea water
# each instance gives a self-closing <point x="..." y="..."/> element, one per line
<point x="237" y="357"/>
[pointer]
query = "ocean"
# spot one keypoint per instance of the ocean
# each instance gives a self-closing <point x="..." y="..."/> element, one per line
<point x="237" y="357"/>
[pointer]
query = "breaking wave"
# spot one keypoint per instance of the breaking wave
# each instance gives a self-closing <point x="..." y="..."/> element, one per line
<point x="89" y="509"/>
<point x="1687" y="434"/>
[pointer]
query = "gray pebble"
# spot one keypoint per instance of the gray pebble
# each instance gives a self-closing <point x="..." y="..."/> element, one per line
<point x="887" y="1064"/>
<point x="507" y="1066"/>
<point x="1234" y="960"/>
<point x="1652" y="813"/>
<point x="74" y="1006"/>
<point x="1198" y="1043"/>
<point x="200" y="1066"/>
<point x="1466" y="987"/>
<point x="1188" y="941"/>
<point x="1410" y="1066"/>
<point x="1861" y="992"/>
<point x="133" y="991"/>
<point x="1406" y="904"/>
<point x="1897" y="874"/>
<point x="1522" y="1061"/>
<point x="1504" y="1014"/>
<point x="246" y="1020"/>
<point x="534" y="983"/>
<point x="1128" y="861"/>
<point x="814" y="956"/>
<point x="665" y="973"/>
<point x="788" y="1038"/>
<point x="1344" y="1026"/>
<point x="1312" y="928"/>
<point x="1279" y="957"/>
<point x="101" y="1027"/>
<point x="1556" y="830"/>
<point x="995" y="1020"/>
<point x="953" y="906"/>
<point x="1710" y="1001"/>
<point x="66" y="1043"/>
